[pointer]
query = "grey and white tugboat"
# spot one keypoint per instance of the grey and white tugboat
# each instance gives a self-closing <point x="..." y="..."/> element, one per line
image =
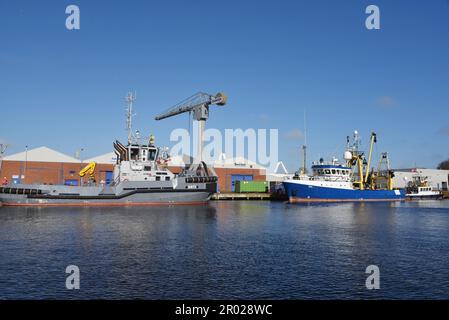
<point x="141" y="178"/>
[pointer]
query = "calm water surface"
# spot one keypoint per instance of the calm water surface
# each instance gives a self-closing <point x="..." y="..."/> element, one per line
<point x="227" y="250"/>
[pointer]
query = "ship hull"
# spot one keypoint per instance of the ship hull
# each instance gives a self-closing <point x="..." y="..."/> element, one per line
<point x="302" y="192"/>
<point x="128" y="194"/>
<point x="424" y="197"/>
<point x="165" y="198"/>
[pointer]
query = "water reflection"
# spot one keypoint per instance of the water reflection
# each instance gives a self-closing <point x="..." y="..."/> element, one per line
<point x="227" y="250"/>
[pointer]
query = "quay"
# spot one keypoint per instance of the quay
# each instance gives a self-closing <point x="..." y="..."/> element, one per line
<point x="241" y="196"/>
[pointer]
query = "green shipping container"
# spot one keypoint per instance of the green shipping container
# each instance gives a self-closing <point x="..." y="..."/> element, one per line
<point x="251" y="186"/>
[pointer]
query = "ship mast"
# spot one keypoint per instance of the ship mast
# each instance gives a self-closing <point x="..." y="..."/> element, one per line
<point x="130" y="98"/>
<point x="304" y="147"/>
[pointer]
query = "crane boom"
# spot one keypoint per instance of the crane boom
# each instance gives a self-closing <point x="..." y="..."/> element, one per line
<point x="373" y="140"/>
<point x="198" y="103"/>
<point x="194" y="103"/>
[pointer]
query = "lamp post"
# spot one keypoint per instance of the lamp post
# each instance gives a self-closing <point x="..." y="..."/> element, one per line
<point x="3" y="148"/>
<point x="26" y="163"/>
<point x="81" y="162"/>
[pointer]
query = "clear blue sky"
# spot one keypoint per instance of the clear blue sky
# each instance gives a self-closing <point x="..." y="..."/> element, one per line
<point x="65" y="89"/>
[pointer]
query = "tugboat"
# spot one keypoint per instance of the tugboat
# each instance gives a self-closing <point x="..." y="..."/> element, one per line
<point x="141" y="178"/>
<point x="334" y="182"/>
<point x="419" y="189"/>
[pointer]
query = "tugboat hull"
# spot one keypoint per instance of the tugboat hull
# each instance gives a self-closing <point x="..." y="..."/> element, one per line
<point x="155" y="199"/>
<point x="134" y="194"/>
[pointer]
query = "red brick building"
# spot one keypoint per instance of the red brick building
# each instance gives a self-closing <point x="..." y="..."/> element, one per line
<point x="46" y="166"/>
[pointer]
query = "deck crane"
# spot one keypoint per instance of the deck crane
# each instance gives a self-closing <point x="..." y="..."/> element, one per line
<point x="199" y="105"/>
<point x="89" y="169"/>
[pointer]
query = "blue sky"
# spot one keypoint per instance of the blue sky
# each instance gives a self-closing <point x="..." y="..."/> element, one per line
<point x="65" y="89"/>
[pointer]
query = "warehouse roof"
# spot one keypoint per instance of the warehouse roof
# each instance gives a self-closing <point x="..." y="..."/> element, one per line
<point x="421" y="170"/>
<point x="107" y="158"/>
<point x="41" y="154"/>
<point x="237" y="162"/>
<point x="222" y="162"/>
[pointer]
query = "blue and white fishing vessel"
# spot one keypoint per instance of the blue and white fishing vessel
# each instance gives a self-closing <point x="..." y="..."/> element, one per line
<point x="351" y="181"/>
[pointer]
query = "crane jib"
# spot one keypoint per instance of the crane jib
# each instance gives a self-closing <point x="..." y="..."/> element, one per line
<point x="194" y="103"/>
<point x="199" y="104"/>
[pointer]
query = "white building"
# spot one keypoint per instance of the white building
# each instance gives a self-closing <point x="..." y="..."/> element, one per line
<point x="238" y="163"/>
<point x="41" y="154"/>
<point x="437" y="179"/>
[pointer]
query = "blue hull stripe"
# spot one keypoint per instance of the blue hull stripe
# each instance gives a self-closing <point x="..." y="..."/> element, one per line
<point x="302" y="192"/>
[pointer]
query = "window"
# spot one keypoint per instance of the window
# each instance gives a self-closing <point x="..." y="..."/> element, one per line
<point x="134" y="153"/>
<point x="151" y="154"/>
<point x="327" y="171"/>
<point x="333" y="171"/>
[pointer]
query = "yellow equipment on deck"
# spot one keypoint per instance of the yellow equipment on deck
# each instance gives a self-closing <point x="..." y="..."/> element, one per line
<point x="368" y="178"/>
<point x="90" y="169"/>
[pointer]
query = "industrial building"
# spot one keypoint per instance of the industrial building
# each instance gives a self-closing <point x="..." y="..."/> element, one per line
<point x="237" y="169"/>
<point x="46" y="166"/>
<point x="437" y="179"/>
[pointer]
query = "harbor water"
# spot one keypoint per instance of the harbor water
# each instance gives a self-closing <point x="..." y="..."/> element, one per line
<point x="227" y="250"/>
